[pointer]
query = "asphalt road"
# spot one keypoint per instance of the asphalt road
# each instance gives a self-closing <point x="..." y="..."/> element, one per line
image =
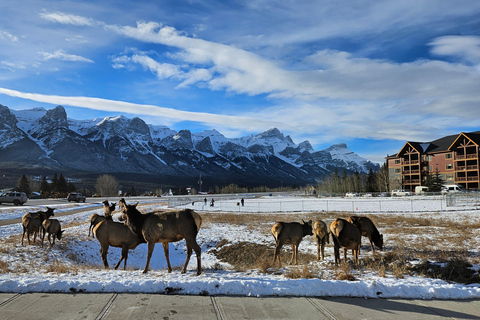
<point x="155" y="306"/>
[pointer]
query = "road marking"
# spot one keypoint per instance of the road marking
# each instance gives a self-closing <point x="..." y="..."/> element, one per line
<point x="322" y="309"/>
<point x="107" y="307"/>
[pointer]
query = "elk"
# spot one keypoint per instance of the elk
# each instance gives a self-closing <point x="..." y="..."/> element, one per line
<point x="368" y="229"/>
<point x="320" y="236"/>
<point x="347" y="236"/>
<point x="166" y="227"/>
<point x="54" y="230"/>
<point x="97" y="218"/>
<point x="32" y="223"/>
<point x="289" y="233"/>
<point x="118" y="235"/>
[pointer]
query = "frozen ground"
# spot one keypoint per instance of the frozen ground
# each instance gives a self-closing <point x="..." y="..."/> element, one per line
<point x="74" y="264"/>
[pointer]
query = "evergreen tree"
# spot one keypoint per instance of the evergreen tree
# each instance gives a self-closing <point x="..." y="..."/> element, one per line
<point x="54" y="184"/>
<point x="45" y="187"/>
<point x="23" y="185"/>
<point x="434" y="182"/>
<point x="62" y="185"/>
<point x="371" y="184"/>
<point x="133" y="192"/>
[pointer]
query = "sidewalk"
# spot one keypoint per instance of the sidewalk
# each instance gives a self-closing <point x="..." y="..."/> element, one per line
<point x="155" y="306"/>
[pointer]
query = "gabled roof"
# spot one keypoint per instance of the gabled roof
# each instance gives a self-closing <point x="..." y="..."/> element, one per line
<point x="441" y="145"/>
<point x="472" y="136"/>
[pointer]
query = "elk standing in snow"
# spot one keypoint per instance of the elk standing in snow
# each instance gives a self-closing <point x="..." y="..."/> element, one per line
<point x="166" y="227"/>
<point x="289" y="233"/>
<point x="347" y="236"/>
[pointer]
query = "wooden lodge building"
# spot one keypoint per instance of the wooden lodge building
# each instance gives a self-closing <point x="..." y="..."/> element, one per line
<point x="455" y="157"/>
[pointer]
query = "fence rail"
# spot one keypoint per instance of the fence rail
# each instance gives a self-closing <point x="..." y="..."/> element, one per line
<point x="450" y="202"/>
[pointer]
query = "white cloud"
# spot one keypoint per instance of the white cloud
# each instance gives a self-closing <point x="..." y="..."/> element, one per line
<point x="63" y="18"/>
<point x="62" y="55"/>
<point x="9" y="36"/>
<point x="464" y="47"/>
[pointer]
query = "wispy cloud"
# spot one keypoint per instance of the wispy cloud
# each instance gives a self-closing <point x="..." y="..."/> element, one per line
<point x="64" y="18"/>
<point x="466" y="48"/>
<point x="241" y="122"/>
<point x="62" y="55"/>
<point x="8" y="36"/>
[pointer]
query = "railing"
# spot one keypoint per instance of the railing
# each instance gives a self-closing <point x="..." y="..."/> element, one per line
<point x="422" y="203"/>
<point x="468" y="156"/>
<point x="463" y="168"/>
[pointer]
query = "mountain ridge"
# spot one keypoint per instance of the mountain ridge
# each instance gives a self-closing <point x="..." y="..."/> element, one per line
<point x="49" y="139"/>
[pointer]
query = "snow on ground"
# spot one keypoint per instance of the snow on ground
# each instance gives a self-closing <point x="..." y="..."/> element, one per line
<point x="74" y="263"/>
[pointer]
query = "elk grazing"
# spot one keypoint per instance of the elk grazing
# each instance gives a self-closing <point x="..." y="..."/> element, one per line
<point x="97" y="218"/>
<point x="347" y="236"/>
<point x="32" y="223"/>
<point x="118" y="235"/>
<point x="368" y="229"/>
<point x="166" y="227"/>
<point x="320" y="236"/>
<point x="54" y="230"/>
<point x="289" y="233"/>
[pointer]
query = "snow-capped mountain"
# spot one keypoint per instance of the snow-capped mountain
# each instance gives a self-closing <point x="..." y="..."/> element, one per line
<point x="40" y="138"/>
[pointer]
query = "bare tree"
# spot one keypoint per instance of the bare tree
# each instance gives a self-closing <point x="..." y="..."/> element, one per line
<point x="107" y="186"/>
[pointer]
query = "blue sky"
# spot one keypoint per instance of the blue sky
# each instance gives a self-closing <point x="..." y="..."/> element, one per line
<point x="371" y="74"/>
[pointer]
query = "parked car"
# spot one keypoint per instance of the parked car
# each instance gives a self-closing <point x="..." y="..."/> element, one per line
<point x="452" y="188"/>
<point x="17" y="198"/>
<point x="75" y="196"/>
<point x="421" y="190"/>
<point x="401" y="192"/>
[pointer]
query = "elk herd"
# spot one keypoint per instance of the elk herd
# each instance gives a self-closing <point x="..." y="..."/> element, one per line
<point x="171" y="226"/>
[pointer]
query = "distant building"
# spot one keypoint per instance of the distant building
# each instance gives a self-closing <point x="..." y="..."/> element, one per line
<point x="455" y="157"/>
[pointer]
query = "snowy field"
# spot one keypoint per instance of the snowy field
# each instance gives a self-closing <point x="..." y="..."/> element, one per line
<point x="74" y="263"/>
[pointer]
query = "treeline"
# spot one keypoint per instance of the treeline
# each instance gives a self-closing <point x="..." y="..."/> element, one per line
<point x="358" y="183"/>
<point x="57" y="187"/>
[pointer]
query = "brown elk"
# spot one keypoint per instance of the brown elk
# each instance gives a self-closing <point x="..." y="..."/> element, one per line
<point x="166" y="227"/>
<point x="118" y="235"/>
<point x="347" y="236"/>
<point x="97" y="218"/>
<point x="32" y="223"/>
<point x="289" y="233"/>
<point x="368" y="229"/>
<point x="54" y="230"/>
<point x="320" y="236"/>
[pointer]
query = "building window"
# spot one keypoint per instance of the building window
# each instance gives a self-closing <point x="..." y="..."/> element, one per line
<point x="448" y="156"/>
<point x="449" y="177"/>
<point x="428" y="158"/>
<point x="449" y="166"/>
<point x="397" y="161"/>
<point x="429" y="168"/>
<point x="398" y="171"/>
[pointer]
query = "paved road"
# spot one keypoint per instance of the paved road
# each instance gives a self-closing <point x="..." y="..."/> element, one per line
<point x="168" y="307"/>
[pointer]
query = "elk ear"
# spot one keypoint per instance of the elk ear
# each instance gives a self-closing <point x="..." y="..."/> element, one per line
<point x="136" y="204"/>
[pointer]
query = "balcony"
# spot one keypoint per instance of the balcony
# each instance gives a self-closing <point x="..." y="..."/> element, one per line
<point x="463" y="168"/>
<point x="468" y="156"/>
<point x="409" y="172"/>
<point x="463" y="179"/>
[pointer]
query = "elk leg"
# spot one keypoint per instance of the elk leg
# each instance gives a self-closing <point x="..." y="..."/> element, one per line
<point x="103" y="252"/>
<point x="123" y="257"/>
<point x="192" y="244"/>
<point x="165" y="250"/>
<point x="23" y="235"/>
<point x="372" y="245"/>
<point x="189" y="253"/>
<point x="277" y="253"/>
<point x="151" y="246"/>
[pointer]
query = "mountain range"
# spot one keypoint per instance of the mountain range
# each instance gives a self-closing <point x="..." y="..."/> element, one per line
<point x="39" y="139"/>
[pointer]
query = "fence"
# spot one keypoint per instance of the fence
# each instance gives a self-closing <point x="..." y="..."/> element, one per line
<point x="450" y="202"/>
